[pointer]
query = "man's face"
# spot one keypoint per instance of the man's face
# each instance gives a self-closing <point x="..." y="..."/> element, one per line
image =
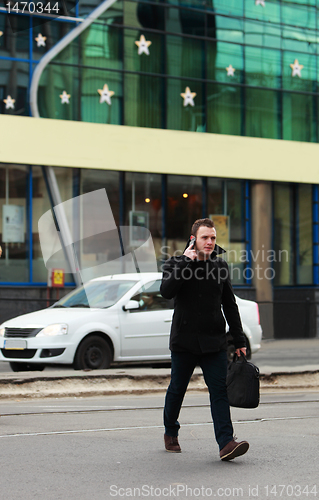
<point x="205" y="241"/>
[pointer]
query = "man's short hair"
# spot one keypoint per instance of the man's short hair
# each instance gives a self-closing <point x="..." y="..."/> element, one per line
<point x="201" y="222"/>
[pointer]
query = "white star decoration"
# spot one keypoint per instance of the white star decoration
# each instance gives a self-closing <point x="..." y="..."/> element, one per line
<point x="188" y="97"/>
<point x="40" y="40"/>
<point x="9" y="102"/>
<point x="105" y="94"/>
<point x="296" y="68"/>
<point x="230" y="70"/>
<point x="65" y="98"/>
<point x="260" y="2"/>
<point x="143" y="46"/>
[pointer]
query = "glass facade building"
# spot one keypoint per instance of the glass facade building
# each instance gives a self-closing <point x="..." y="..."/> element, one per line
<point x="243" y="68"/>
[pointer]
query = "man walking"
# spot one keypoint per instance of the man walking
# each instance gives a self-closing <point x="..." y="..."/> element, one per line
<point x="199" y="282"/>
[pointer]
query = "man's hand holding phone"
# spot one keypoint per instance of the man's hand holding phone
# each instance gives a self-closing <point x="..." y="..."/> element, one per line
<point x="190" y="252"/>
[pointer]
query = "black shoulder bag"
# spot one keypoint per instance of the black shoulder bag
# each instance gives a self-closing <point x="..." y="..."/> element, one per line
<point x="242" y="383"/>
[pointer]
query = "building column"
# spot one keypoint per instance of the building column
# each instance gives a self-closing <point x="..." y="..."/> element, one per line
<point x="261" y="230"/>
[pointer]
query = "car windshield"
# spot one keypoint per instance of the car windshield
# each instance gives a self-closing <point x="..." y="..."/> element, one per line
<point x="100" y="294"/>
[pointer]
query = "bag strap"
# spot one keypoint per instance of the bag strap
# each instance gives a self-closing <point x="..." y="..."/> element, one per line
<point x="237" y="358"/>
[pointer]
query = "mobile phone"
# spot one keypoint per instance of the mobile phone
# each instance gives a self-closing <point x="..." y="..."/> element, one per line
<point x="193" y="242"/>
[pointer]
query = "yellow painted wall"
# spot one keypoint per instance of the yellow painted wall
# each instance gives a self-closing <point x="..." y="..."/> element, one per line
<point x="40" y="141"/>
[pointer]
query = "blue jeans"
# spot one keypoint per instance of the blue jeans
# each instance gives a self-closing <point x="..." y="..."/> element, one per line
<point x="214" y="367"/>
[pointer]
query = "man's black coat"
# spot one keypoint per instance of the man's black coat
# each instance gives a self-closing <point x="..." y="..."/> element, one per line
<point x="200" y="289"/>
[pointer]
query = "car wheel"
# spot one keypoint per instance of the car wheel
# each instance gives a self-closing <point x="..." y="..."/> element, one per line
<point x="26" y="367"/>
<point x="93" y="353"/>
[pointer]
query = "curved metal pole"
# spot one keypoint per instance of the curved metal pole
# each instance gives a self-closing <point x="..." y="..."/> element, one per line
<point x="64" y="42"/>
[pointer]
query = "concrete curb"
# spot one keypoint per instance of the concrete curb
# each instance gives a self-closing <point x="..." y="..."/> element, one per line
<point x="140" y="381"/>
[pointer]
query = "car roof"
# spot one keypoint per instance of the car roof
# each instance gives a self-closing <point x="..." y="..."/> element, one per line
<point x="131" y="276"/>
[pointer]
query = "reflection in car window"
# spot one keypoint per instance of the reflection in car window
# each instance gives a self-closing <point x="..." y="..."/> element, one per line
<point x="150" y="298"/>
<point x="101" y="294"/>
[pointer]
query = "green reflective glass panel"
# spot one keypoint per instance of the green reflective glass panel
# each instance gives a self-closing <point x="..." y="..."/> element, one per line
<point x="91" y="107"/>
<point x="84" y="103"/>
<point x="185" y="57"/>
<point x="269" y="12"/>
<point x="143" y="101"/>
<point x="187" y="21"/>
<point x="14" y="44"/>
<point x="14" y="82"/>
<point x="102" y="47"/>
<point x="304" y="2"/>
<point x="198" y="4"/>
<point x="262" y="67"/>
<point x="144" y="15"/>
<point x="229" y="30"/>
<point x="53" y="31"/>
<point x="99" y="46"/>
<point x="224" y="109"/>
<point x="263" y="34"/>
<point x="113" y="15"/>
<point x="153" y="62"/>
<point x="300" y="40"/>
<point x="180" y="117"/>
<point x="297" y="14"/>
<point x="304" y="252"/>
<point x="306" y="81"/>
<point x="229" y="7"/>
<point x="54" y="80"/>
<point x="263" y="113"/>
<point x="299" y="117"/>
<point x="211" y="26"/>
<point x="222" y="55"/>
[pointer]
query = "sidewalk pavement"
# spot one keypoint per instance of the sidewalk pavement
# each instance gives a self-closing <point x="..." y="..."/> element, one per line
<point x="283" y="364"/>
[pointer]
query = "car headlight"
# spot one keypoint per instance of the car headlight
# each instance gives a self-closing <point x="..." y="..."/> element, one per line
<point x="52" y="330"/>
<point x="2" y="332"/>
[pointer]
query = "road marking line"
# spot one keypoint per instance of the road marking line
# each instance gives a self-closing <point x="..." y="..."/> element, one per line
<point x="109" y="429"/>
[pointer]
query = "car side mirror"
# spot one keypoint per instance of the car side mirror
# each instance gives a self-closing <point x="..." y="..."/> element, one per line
<point x="132" y="304"/>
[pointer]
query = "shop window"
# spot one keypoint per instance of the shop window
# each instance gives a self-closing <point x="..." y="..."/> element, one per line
<point x="14" y="264"/>
<point x="225" y="204"/>
<point x="143" y="205"/>
<point x="184" y="206"/>
<point x="293" y="262"/>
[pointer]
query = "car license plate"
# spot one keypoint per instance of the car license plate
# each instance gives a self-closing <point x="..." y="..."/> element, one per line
<point x="15" y="344"/>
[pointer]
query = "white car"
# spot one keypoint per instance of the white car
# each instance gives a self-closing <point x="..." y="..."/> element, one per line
<point x="116" y="318"/>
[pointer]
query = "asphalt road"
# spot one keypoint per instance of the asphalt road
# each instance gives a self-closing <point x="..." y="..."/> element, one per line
<point x="104" y="448"/>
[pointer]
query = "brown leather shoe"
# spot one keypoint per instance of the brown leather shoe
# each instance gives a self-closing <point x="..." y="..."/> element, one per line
<point x="233" y="449"/>
<point x="172" y="444"/>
